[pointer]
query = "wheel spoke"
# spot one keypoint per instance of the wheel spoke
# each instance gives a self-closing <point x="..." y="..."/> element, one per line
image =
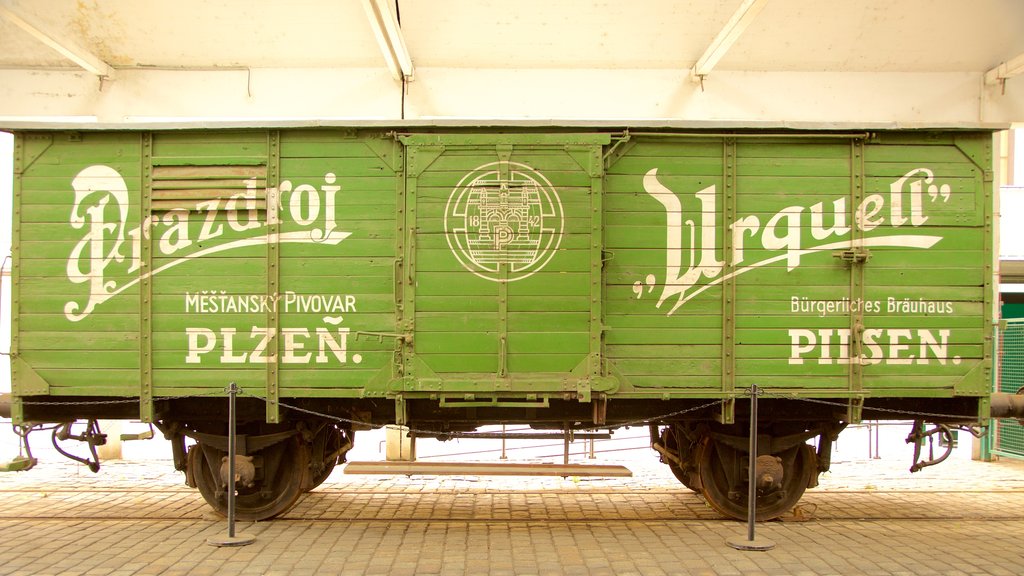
<point x="687" y="477"/>
<point x="282" y="478"/>
<point x="724" y="484"/>
<point x="325" y="454"/>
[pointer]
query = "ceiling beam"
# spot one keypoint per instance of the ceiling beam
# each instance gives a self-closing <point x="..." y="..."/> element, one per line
<point x="616" y="97"/>
<point x="65" y="46"/>
<point x="734" y="28"/>
<point x="384" y="22"/>
<point x="1005" y="70"/>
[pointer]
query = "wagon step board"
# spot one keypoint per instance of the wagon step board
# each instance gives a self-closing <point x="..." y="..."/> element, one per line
<point x="486" y="469"/>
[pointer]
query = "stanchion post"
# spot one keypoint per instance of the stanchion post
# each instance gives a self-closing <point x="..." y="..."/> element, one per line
<point x="750" y="543"/>
<point x="232" y="449"/>
<point x="232" y="539"/>
<point x="878" y="433"/>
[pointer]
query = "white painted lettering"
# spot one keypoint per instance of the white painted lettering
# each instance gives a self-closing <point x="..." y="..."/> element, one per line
<point x="292" y="345"/>
<point x="871" y="336"/>
<point x="257" y="356"/>
<point x="880" y="345"/>
<point x="938" y="348"/>
<point x="790" y="241"/>
<point x="99" y="187"/>
<point x="210" y="230"/>
<point x="867" y="211"/>
<point x="228" y="356"/>
<point x="689" y="264"/>
<point x="176" y="236"/>
<point x="305" y="194"/>
<point x="839" y="227"/>
<point x="895" y="347"/>
<point x="749" y="224"/>
<point x="798" y="347"/>
<point x="325" y="341"/>
<point x="195" y="348"/>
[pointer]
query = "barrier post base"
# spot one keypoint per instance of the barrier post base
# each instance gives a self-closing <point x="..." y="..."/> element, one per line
<point x="236" y="540"/>
<point x="758" y="544"/>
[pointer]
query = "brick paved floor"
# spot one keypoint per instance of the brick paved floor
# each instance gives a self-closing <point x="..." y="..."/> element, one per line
<point x="868" y="517"/>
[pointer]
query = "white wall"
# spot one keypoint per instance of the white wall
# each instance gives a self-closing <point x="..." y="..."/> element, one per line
<point x="1018" y="159"/>
<point x="538" y="94"/>
<point x="1011" y="206"/>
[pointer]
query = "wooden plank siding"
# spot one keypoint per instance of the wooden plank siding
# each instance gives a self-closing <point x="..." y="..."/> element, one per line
<point x="337" y="263"/>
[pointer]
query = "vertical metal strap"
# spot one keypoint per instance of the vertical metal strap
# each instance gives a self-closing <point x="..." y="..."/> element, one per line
<point x="146" y="411"/>
<point x="729" y="285"/>
<point x="17" y="408"/>
<point x="401" y="410"/>
<point x="503" y="322"/>
<point x="273" y="391"/>
<point x="857" y="289"/>
<point x="990" y="188"/>
<point x="504" y="152"/>
<point x="417" y="159"/>
<point x="988" y="440"/>
<point x="596" y="267"/>
<point x="398" y="370"/>
<point x="413" y="160"/>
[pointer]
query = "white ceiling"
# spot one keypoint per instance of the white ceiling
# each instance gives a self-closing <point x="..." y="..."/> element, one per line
<point x="197" y="33"/>
<point x="861" y="61"/>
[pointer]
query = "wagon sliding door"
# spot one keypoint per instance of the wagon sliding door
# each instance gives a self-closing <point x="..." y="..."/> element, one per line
<point x="502" y="235"/>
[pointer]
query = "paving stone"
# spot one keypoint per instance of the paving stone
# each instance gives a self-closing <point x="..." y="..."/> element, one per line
<point x="868" y="517"/>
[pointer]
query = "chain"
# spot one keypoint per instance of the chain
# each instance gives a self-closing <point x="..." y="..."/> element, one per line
<point x="663" y="416"/>
<point x="766" y="394"/>
<point x="321" y="414"/>
<point x="439" y="433"/>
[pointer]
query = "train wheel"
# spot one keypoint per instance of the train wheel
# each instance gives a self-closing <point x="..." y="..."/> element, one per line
<point x="723" y="474"/>
<point x="687" y="477"/>
<point x="270" y="494"/>
<point x="326" y="448"/>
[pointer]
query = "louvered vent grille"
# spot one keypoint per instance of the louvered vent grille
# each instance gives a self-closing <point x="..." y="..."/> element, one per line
<point x="188" y="187"/>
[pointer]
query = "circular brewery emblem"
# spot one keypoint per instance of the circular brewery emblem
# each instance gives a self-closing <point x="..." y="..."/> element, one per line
<point x="503" y="224"/>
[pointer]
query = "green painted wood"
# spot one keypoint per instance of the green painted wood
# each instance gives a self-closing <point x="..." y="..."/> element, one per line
<point x="773" y="177"/>
<point x="22" y="379"/>
<point x="726" y="365"/>
<point x="272" y="149"/>
<point x="487" y="326"/>
<point x="747" y="311"/>
<point x="145" y="329"/>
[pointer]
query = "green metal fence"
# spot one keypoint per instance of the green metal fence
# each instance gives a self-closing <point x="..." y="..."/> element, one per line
<point x="1007" y="435"/>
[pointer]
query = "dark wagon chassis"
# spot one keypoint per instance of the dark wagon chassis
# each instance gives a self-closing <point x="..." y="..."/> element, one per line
<point x="278" y="462"/>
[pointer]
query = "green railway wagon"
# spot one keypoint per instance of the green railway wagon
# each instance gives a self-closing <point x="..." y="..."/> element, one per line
<point x="445" y="279"/>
